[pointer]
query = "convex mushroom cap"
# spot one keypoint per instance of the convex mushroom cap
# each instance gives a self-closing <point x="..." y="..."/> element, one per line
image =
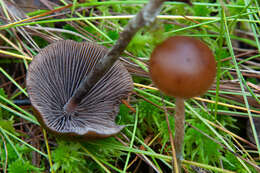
<point x="54" y="75"/>
<point x="182" y="66"/>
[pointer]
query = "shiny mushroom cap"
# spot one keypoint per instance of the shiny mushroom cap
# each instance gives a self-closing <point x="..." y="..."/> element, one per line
<point x="54" y="75"/>
<point x="183" y="67"/>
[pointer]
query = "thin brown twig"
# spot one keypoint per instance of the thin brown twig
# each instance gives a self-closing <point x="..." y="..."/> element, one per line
<point x="232" y="134"/>
<point x="240" y="55"/>
<point x="148" y="101"/>
<point x="175" y="166"/>
<point x="9" y="82"/>
<point x="35" y="17"/>
<point x="127" y="105"/>
<point x="141" y="156"/>
<point x="146" y="141"/>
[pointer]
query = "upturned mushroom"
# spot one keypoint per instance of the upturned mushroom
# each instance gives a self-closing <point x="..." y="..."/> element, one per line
<point x="182" y="67"/>
<point x="55" y="74"/>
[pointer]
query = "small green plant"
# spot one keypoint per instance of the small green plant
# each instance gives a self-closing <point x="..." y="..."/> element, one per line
<point x="68" y="158"/>
<point x="20" y="166"/>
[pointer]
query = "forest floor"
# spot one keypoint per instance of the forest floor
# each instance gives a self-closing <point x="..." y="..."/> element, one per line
<point x="222" y="127"/>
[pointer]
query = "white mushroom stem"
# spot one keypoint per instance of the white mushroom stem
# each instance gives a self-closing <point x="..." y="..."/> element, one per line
<point x="179" y="129"/>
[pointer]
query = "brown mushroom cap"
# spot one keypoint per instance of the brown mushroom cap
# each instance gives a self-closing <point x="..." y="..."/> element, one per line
<point x="183" y="67"/>
<point x="54" y="75"/>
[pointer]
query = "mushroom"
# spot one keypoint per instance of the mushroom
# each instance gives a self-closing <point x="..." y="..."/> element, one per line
<point x="54" y="75"/>
<point x="182" y="67"/>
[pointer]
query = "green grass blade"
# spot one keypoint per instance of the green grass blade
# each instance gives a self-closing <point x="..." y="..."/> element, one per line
<point x="20" y="140"/>
<point x="132" y="140"/>
<point x="13" y="81"/>
<point x="240" y="78"/>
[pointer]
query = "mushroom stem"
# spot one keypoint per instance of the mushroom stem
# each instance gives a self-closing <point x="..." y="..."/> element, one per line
<point x="179" y="129"/>
<point x="144" y="18"/>
<point x="70" y="106"/>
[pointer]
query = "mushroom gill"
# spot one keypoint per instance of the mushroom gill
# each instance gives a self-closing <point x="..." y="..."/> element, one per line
<point x="55" y="74"/>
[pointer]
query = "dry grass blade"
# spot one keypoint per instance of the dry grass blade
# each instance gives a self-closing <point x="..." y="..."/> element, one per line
<point x="202" y="99"/>
<point x="35" y="17"/>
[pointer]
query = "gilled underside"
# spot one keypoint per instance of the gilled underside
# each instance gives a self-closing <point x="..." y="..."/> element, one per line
<point x="55" y="74"/>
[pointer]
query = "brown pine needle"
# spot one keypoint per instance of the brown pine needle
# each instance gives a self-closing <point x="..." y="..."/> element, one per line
<point x="232" y="134"/>
<point x="205" y="100"/>
<point x="35" y="17"/>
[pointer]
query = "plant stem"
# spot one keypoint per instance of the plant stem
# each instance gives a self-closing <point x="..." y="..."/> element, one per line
<point x="175" y="167"/>
<point x="179" y="129"/>
<point x="144" y="18"/>
<point x="48" y="150"/>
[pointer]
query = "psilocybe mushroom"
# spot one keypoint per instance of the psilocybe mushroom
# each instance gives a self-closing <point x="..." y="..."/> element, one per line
<point x="55" y="74"/>
<point x="182" y="67"/>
